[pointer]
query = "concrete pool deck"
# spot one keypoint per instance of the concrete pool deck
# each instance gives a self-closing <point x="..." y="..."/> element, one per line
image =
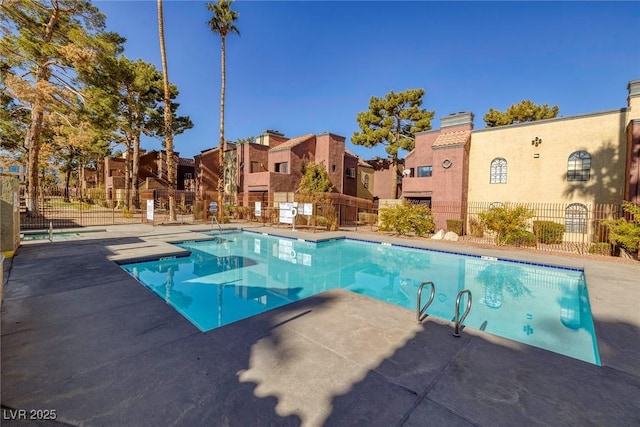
<point x="83" y="338"/>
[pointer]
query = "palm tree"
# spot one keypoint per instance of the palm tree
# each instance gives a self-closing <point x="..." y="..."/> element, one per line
<point x="168" y="132"/>
<point x="222" y="23"/>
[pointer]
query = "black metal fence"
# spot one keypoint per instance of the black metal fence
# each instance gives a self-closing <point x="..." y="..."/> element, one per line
<point x="60" y="209"/>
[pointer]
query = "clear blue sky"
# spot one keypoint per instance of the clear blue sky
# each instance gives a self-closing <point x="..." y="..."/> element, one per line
<point x="311" y="66"/>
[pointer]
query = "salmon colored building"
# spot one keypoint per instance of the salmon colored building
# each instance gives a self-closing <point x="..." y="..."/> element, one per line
<point x="273" y="164"/>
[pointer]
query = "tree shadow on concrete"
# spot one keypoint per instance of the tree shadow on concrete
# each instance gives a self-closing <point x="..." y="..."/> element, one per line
<point x="116" y="355"/>
<point x="481" y="379"/>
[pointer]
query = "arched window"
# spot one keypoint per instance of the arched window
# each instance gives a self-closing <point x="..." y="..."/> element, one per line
<point x="579" y="166"/>
<point x="575" y="218"/>
<point x="498" y="173"/>
<point x="366" y="180"/>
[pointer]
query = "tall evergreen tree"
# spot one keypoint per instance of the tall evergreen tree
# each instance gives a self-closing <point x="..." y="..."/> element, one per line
<point x="524" y="111"/>
<point x="44" y="44"/>
<point x="222" y="23"/>
<point x="392" y="121"/>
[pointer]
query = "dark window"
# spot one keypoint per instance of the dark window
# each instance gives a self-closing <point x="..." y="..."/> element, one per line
<point x="579" y="166"/>
<point x="498" y="171"/>
<point x="425" y="171"/>
<point x="282" y="167"/>
<point x="366" y="181"/>
<point x="351" y="172"/>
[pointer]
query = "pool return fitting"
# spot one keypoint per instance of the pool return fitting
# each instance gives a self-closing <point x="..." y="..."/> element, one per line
<point x="421" y="312"/>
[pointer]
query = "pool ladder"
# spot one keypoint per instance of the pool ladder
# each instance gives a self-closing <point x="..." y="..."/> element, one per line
<point x="457" y="320"/>
<point x="421" y="311"/>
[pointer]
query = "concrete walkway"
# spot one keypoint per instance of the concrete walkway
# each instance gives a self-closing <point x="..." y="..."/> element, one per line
<point x="81" y="337"/>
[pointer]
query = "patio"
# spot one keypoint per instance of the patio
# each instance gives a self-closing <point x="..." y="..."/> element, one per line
<point x="83" y="338"/>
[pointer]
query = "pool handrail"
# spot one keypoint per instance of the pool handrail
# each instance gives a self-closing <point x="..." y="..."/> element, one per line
<point x="457" y="319"/>
<point x="421" y="311"/>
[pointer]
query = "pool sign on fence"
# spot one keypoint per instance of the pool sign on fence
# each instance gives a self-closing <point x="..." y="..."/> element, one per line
<point x="258" y="208"/>
<point x="150" y="209"/>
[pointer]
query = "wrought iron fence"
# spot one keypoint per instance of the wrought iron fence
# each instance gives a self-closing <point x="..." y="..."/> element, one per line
<point x="58" y="208"/>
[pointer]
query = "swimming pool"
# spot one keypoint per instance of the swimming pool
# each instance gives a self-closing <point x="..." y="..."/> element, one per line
<point x="237" y="275"/>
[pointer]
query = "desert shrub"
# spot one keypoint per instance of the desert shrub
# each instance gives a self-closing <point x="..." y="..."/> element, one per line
<point x="476" y="229"/>
<point x="626" y="233"/>
<point x="126" y="213"/>
<point x="601" y="248"/>
<point x="302" y="220"/>
<point x="319" y="221"/>
<point x="406" y="218"/>
<point x="548" y="232"/>
<point x="97" y="193"/>
<point x="507" y="222"/>
<point x="455" y="225"/>
<point x="367" y="218"/>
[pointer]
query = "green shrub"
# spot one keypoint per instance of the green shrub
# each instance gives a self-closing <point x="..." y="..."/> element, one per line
<point x="521" y="238"/>
<point x="476" y="229"/>
<point x="626" y="233"/>
<point x="601" y="248"/>
<point x="508" y="223"/>
<point x="548" y="232"/>
<point x="406" y="218"/>
<point x="455" y="225"/>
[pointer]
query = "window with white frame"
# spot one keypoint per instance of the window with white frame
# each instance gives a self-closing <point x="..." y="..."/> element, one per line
<point x="351" y="172"/>
<point x="579" y="166"/>
<point x="575" y="218"/>
<point x="498" y="171"/>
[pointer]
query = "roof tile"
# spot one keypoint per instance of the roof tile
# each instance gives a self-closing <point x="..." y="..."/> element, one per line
<point x="293" y="142"/>
<point x="452" y="138"/>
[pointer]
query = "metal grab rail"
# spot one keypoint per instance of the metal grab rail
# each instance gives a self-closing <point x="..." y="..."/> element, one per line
<point x="213" y="218"/>
<point x="420" y="311"/>
<point x="457" y="319"/>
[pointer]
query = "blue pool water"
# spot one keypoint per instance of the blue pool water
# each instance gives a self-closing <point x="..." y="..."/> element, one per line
<point x="238" y="275"/>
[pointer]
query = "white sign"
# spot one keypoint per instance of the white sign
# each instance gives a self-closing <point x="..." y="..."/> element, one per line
<point x="258" y="209"/>
<point x="286" y="252"/>
<point x="307" y="209"/>
<point x="286" y="213"/>
<point x="150" y="209"/>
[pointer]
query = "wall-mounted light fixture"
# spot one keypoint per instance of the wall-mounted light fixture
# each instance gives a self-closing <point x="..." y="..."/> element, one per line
<point x="536" y="141"/>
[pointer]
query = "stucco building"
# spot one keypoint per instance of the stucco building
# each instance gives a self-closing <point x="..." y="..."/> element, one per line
<point x="579" y="161"/>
